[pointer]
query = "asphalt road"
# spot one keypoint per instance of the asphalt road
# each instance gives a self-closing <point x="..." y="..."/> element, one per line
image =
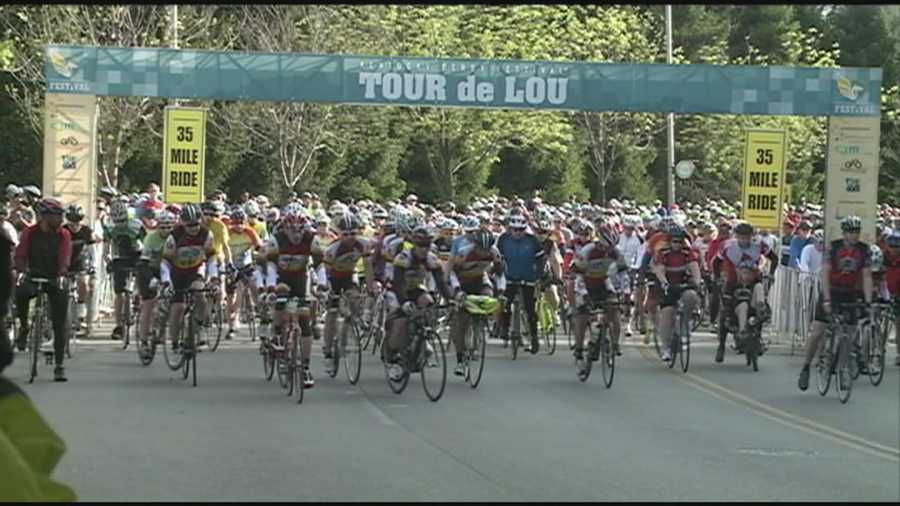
<point x="530" y="432"/>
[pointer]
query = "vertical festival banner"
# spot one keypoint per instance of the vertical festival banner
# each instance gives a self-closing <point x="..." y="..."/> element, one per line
<point x="851" y="183"/>
<point x="70" y="125"/>
<point x="763" y="188"/>
<point x="184" y="155"/>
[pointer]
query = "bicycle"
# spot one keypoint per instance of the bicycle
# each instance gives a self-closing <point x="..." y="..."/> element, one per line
<point x="41" y="327"/>
<point x="265" y="348"/>
<point x="838" y="334"/>
<point x="246" y="308"/>
<point x="374" y="334"/>
<point x="599" y="348"/>
<point x="680" y="344"/>
<point x="546" y="317"/>
<point x="286" y="350"/>
<point x="877" y="348"/>
<point x="425" y="351"/>
<point x="350" y="351"/>
<point x="517" y="314"/>
<point x="215" y="316"/>
<point x="189" y="336"/>
<point x="72" y="325"/>
<point x="130" y="307"/>
<point x="481" y="308"/>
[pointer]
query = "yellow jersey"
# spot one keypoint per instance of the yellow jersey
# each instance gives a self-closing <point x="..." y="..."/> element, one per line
<point x="220" y="236"/>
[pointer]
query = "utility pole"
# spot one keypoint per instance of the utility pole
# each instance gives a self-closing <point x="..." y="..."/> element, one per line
<point x="173" y="22"/>
<point x="670" y="119"/>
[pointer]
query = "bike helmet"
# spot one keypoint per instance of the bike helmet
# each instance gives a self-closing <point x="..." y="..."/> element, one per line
<point x="190" y="214"/>
<point x="74" y="213"/>
<point x="238" y="215"/>
<point x="273" y="214"/>
<point x="677" y="233"/>
<point x="410" y="223"/>
<point x="893" y="240"/>
<point x="337" y="209"/>
<point x="108" y="192"/>
<point x="877" y="258"/>
<point x="12" y="191"/>
<point x="483" y="239"/>
<point x="118" y="213"/>
<point x="743" y="228"/>
<point x="421" y="236"/>
<point x="470" y="223"/>
<point x="379" y="214"/>
<point x="262" y="200"/>
<point x="50" y="206"/>
<point x="32" y="191"/>
<point x="166" y="221"/>
<point x="252" y="209"/>
<point x="175" y="209"/>
<point x="607" y="236"/>
<point x="348" y="222"/>
<point x="631" y="221"/>
<point x="517" y="222"/>
<point x="851" y="223"/>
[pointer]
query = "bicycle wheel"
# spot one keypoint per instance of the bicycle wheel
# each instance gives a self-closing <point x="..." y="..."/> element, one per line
<point x="217" y="322"/>
<point x="877" y="348"/>
<point x="434" y="369"/>
<point x="293" y="372"/>
<point x="844" y="372"/>
<point x="823" y="366"/>
<point x="268" y="360"/>
<point x="186" y="350"/>
<point x="281" y="358"/>
<point x="685" y="351"/>
<point x="570" y="332"/>
<point x="70" y="328"/>
<point x="476" y="354"/>
<point x="698" y="315"/>
<point x="400" y="385"/>
<point x="194" y="350"/>
<point x="353" y="353"/>
<point x="549" y="331"/>
<point x="656" y="339"/>
<point x="675" y="343"/>
<point x="126" y="317"/>
<point x="607" y="362"/>
<point x="335" y="356"/>
<point x="37" y="331"/>
<point x="249" y="313"/>
<point x="173" y="360"/>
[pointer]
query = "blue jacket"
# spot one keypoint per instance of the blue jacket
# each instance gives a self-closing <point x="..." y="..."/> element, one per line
<point x="797" y="245"/>
<point x="520" y="256"/>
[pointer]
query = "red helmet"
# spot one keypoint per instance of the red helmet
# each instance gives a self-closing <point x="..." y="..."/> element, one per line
<point x="50" y="206"/>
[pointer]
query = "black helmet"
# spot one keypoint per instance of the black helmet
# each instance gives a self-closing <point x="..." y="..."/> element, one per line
<point x="347" y="222"/>
<point x="743" y="228"/>
<point x="483" y="239"/>
<point x="190" y="214"/>
<point x="74" y="213"/>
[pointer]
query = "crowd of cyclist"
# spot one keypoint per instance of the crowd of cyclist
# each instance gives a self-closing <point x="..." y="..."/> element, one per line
<point x="579" y="255"/>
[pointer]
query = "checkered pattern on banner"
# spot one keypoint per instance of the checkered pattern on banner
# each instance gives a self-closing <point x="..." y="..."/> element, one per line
<point x="709" y="89"/>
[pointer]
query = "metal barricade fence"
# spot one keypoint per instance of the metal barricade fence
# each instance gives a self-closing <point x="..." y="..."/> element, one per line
<point x="793" y="301"/>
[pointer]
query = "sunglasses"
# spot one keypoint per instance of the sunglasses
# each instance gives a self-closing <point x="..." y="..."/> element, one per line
<point x="191" y="225"/>
<point x="678" y="241"/>
<point x="518" y="229"/>
<point x="349" y="234"/>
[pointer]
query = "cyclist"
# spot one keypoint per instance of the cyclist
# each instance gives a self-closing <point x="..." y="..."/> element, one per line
<point x="82" y="259"/>
<point x="289" y="253"/>
<point x="591" y="268"/>
<point x="743" y="248"/>
<point x="213" y="210"/>
<point x="243" y="243"/>
<point x="443" y="244"/>
<point x="337" y="272"/>
<point x="846" y="278"/>
<point x="471" y="271"/>
<point x="125" y="238"/>
<point x="44" y="251"/>
<point x="148" y="270"/>
<point x="412" y="267"/>
<point x="674" y="265"/>
<point x="187" y="250"/>
<point x="522" y="253"/>
<point x="723" y="234"/>
<point x="630" y="247"/>
<point x="892" y="279"/>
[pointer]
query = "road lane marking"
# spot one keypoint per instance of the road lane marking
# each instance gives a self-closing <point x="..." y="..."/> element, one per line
<point x="777" y="415"/>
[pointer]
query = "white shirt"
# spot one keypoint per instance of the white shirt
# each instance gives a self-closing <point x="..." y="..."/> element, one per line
<point x="10" y="231"/>
<point x="630" y="248"/>
<point x="810" y="259"/>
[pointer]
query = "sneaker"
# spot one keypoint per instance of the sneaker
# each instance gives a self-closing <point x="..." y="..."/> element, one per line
<point x="460" y="369"/>
<point x="535" y="346"/>
<point x="229" y="335"/>
<point x="116" y="334"/>
<point x="594" y="351"/>
<point x="329" y="367"/>
<point x="803" y="383"/>
<point x="59" y="374"/>
<point x="666" y="356"/>
<point x="308" y="381"/>
<point x="720" y="354"/>
<point x="579" y="354"/>
<point x="395" y="372"/>
<point x="628" y="331"/>
<point x="617" y="350"/>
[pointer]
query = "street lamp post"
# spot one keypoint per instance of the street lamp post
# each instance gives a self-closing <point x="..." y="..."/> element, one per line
<point x="670" y="119"/>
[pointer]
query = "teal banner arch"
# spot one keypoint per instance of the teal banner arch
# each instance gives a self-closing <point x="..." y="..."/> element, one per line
<point x="441" y="82"/>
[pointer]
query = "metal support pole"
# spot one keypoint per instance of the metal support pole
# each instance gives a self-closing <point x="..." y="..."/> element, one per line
<point x="173" y="22"/>
<point x="670" y="119"/>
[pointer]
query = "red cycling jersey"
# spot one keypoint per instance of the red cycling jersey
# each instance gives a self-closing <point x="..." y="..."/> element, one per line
<point x="676" y="263"/>
<point x="846" y="263"/>
<point x="892" y="272"/>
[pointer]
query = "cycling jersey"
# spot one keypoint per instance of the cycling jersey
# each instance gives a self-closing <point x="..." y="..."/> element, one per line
<point x="341" y="259"/>
<point x="892" y="272"/>
<point x="185" y="252"/>
<point x="471" y="265"/>
<point x="261" y="230"/>
<point x="676" y="264"/>
<point x="154" y="244"/>
<point x="220" y="236"/>
<point x="126" y="239"/>
<point x="732" y="254"/>
<point x="629" y="247"/>
<point x="592" y="263"/>
<point x="81" y="242"/>
<point x="242" y="242"/>
<point x="521" y="255"/>
<point x="442" y="247"/>
<point x="701" y="246"/>
<point x="292" y="259"/>
<point x="323" y="242"/>
<point x="411" y="273"/>
<point x="847" y="263"/>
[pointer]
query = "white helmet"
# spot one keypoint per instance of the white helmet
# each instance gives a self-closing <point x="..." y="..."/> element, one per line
<point x="119" y="212"/>
<point x="517" y="221"/>
<point x="470" y="223"/>
<point x="877" y="258"/>
<point x="632" y="221"/>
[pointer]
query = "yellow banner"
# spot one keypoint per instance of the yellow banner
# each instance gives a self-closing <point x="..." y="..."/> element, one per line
<point x="184" y="155"/>
<point x="851" y="183"/>
<point x="70" y="123"/>
<point x="763" y="188"/>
